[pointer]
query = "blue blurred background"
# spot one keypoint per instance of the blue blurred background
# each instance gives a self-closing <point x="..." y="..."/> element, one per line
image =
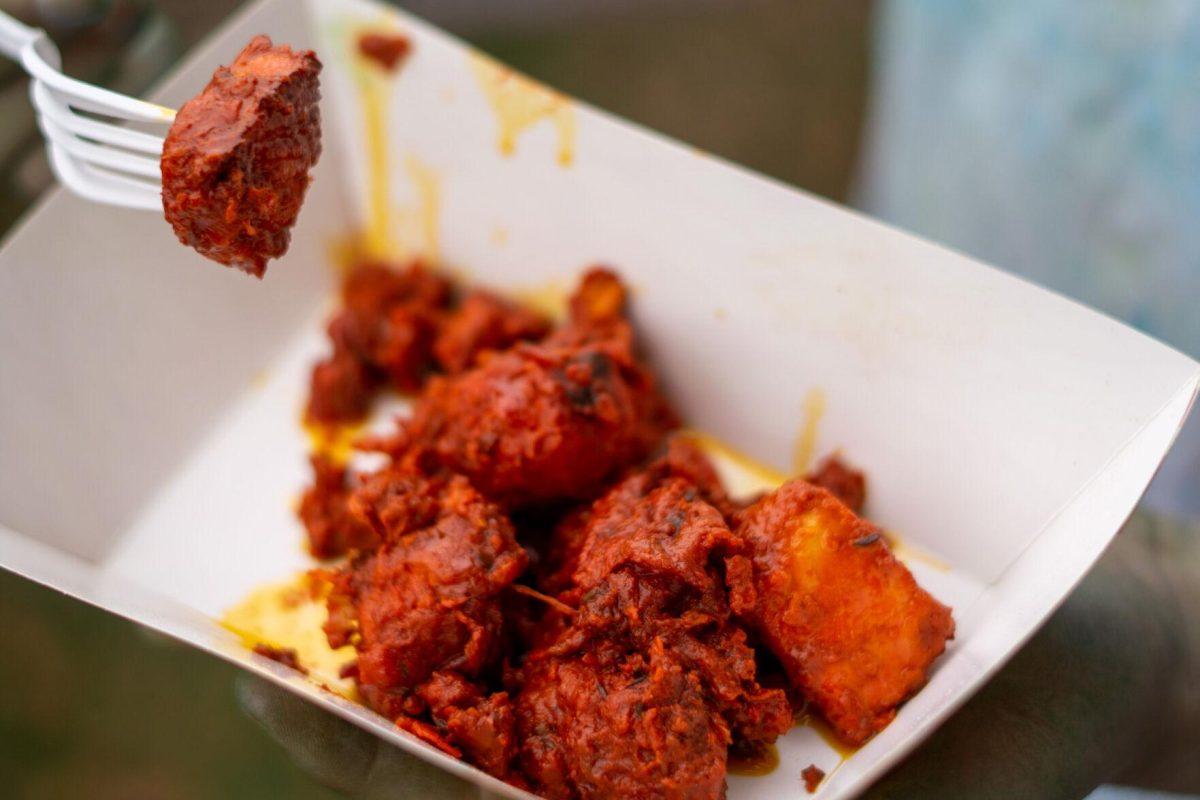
<point x="1056" y="139"/>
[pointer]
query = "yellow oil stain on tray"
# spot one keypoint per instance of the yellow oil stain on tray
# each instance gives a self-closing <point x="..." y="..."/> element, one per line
<point x="822" y="729"/>
<point x="346" y="251"/>
<point x="761" y="762"/>
<point x="806" y="439"/>
<point x="373" y="91"/>
<point x="291" y="615"/>
<point x="336" y="442"/>
<point x="520" y="103"/>
<point x="549" y="299"/>
<point x="391" y="232"/>
<point x="742" y="475"/>
<point x="909" y="553"/>
<point x="425" y="214"/>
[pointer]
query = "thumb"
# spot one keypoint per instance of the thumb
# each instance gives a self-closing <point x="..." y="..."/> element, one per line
<point x="343" y="756"/>
<point x="328" y="748"/>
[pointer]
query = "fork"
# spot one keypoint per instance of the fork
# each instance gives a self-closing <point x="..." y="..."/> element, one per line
<point x="90" y="153"/>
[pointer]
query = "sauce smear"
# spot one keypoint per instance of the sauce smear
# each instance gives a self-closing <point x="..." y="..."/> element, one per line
<point x="762" y="762"/>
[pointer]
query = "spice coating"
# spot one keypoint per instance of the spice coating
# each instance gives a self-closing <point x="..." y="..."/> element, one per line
<point x="853" y="630"/>
<point x="548" y="583"/>
<point x="236" y="161"/>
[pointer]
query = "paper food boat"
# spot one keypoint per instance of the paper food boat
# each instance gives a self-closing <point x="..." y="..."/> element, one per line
<point x="150" y="449"/>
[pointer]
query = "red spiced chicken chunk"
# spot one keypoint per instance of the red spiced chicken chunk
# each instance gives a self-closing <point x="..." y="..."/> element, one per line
<point x="643" y="693"/>
<point x="547" y="421"/>
<point x="853" y="630"/>
<point x="483" y="322"/>
<point x="382" y="336"/>
<point x="468" y="722"/>
<point x="397" y="326"/>
<point x="625" y="664"/>
<point x="325" y="512"/>
<point x="426" y="600"/>
<point x="842" y="481"/>
<point x="235" y="163"/>
<point x="619" y="723"/>
<point x="681" y="459"/>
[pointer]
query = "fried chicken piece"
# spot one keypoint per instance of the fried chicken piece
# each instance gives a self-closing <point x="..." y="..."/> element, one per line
<point x="852" y="629"/>
<point x="324" y="510"/>
<point x="681" y="458"/>
<point x="545" y="422"/>
<point x="608" y="723"/>
<point x="636" y="608"/>
<point x="669" y="529"/>
<point x="371" y="288"/>
<point x="654" y="550"/>
<point x="648" y="580"/>
<point x="384" y="334"/>
<point x="842" y="481"/>
<point x="597" y="312"/>
<point x="483" y="322"/>
<point x="390" y="319"/>
<point x="235" y="162"/>
<point x="428" y="598"/>
<point x="481" y="726"/>
<point x="340" y="390"/>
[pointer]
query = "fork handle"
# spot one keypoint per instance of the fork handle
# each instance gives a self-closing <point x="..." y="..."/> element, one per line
<point x="15" y="36"/>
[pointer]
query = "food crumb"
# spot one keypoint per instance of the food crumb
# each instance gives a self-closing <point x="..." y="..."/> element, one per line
<point x="284" y="655"/>
<point x="813" y="775"/>
<point x="387" y="50"/>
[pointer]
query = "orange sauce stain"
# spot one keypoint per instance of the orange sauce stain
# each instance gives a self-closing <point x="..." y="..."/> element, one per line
<point x="346" y="251"/>
<point x="417" y="225"/>
<point x="741" y="474"/>
<point x="762" y="762"/>
<point x="822" y="729"/>
<point x="907" y="552"/>
<point x="548" y="299"/>
<point x="520" y="103"/>
<point x="334" y="441"/>
<point x="290" y="615"/>
<point x="373" y="97"/>
<point x="806" y="440"/>
<point x="426" y="213"/>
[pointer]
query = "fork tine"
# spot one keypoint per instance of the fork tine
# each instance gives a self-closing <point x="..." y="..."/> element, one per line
<point x="97" y="154"/>
<point x="92" y="98"/>
<point x="101" y="132"/>
<point x="96" y="159"/>
<point x="94" y="183"/>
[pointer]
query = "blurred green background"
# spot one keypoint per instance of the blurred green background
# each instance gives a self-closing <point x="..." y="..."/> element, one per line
<point x="93" y="706"/>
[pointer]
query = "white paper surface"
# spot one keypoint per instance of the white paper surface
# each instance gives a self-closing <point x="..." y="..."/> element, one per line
<point x="150" y="449"/>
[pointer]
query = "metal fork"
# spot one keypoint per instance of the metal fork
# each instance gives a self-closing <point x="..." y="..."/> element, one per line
<point x="91" y="153"/>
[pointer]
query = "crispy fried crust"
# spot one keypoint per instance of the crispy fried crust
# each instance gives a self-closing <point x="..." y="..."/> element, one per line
<point x="483" y="322"/>
<point x="628" y="668"/>
<point x="853" y="630"/>
<point x="397" y="326"/>
<point x="325" y="512"/>
<point x="427" y="598"/>
<point x="549" y="421"/>
<point x="842" y="481"/>
<point x="651" y="666"/>
<point x="613" y="724"/>
<point x="235" y="163"/>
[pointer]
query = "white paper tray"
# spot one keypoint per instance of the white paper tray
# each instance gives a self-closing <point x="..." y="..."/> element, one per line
<point x="149" y="401"/>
